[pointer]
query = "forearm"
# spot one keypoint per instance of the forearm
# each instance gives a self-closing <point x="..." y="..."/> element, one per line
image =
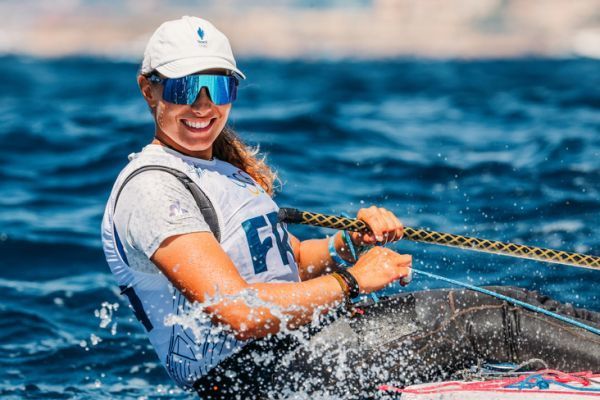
<point x="314" y="259"/>
<point x="299" y="301"/>
<point x="296" y="302"/>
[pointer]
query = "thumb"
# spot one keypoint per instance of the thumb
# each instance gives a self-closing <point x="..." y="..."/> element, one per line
<point x="405" y="280"/>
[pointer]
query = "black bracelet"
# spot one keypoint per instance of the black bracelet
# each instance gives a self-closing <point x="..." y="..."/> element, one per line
<point x="351" y="282"/>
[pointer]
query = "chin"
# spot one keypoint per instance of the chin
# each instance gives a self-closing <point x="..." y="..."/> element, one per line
<point x="196" y="145"/>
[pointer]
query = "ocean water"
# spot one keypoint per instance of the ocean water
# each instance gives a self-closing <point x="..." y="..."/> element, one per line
<point x="503" y="149"/>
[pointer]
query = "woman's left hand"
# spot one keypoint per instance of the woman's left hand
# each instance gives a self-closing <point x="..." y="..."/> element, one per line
<point x="384" y="225"/>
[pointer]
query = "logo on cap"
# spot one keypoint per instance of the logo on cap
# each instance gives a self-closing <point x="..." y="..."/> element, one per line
<point x="200" y="32"/>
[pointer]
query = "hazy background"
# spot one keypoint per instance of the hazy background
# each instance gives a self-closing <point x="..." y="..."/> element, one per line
<point x="313" y="29"/>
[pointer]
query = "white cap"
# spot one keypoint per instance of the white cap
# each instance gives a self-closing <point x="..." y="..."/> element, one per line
<point x="186" y="46"/>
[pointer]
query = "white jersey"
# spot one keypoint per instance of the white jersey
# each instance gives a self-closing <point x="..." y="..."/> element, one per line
<point x="155" y="205"/>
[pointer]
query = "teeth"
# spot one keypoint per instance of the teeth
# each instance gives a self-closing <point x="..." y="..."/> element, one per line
<point x="197" y="125"/>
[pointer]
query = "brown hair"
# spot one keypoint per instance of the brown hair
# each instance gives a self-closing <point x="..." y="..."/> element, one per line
<point x="230" y="148"/>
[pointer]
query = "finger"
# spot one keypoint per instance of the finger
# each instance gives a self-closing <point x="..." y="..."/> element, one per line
<point x="369" y="217"/>
<point x="356" y="238"/>
<point x="405" y="280"/>
<point x="398" y="227"/>
<point x="369" y="238"/>
<point x="380" y="226"/>
<point x="376" y="223"/>
<point x="362" y="238"/>
<point x="391" y="225"/>
<point x="405" y="261"/>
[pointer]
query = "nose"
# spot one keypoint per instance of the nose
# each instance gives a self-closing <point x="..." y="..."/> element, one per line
<point x="202" y="101"/>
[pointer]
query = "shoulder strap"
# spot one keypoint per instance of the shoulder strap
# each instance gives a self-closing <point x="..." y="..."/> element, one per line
<point x="203" y="202"/>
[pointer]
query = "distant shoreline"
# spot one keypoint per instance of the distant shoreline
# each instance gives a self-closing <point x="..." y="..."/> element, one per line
<point x="470" y="29"/>
<point x="136" y="59"/>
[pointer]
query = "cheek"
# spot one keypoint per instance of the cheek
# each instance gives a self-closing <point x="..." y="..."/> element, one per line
<point x="165" y="115"/>
<point x="224" y="113"/>
<point x="159" y="116"/>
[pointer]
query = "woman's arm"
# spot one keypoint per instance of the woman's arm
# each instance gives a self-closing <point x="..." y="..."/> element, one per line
<point x="197" y="265"/>
<point x="312" y="256"/>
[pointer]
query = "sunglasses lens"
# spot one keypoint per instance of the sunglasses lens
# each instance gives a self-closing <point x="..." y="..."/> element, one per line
<point x="222" y="89"/>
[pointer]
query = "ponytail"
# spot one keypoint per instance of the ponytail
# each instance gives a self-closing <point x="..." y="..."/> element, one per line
<point x="229" y="147"/>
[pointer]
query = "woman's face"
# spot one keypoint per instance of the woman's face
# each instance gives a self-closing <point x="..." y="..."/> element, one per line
<point x="190" y="129"/>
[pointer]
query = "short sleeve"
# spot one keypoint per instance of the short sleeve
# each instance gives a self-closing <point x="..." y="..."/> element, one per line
<point x="154" y="206"/>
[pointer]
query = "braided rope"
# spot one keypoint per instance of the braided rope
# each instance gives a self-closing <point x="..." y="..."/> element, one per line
<point x="464" y="242"/>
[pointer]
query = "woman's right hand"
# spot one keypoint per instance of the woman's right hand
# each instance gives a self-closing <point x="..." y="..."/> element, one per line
<point x="379" y="267"/>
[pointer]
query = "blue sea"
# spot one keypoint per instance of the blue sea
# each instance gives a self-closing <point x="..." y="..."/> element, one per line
<point x="500" y="149"/>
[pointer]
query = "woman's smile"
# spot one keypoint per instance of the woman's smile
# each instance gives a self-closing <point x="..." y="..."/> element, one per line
<point x="198" y="125"/>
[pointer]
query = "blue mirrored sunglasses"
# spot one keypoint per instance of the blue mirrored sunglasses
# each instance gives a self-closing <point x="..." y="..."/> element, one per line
<point x="222" y="89"/>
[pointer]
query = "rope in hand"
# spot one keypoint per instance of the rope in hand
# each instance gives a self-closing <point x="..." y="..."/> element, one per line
<point x="294" y="216"/>
<point x="291" y="215"/>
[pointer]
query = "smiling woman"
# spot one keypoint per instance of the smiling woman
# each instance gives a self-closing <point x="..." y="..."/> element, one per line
<point x="191" y="219"/>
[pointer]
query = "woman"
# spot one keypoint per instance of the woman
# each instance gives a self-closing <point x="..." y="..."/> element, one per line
<point x="156" y="236"/>
<point x="191" y="221"/>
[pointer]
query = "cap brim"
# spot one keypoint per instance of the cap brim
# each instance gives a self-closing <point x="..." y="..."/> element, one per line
<point x="192" y="65"/>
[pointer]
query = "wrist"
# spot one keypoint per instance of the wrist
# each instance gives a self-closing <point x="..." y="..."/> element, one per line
<point x="343" y="285"/>
<point x="344" y="249"/>
<point x="332" y="249"/>
<point x="359" y="246"/>
<point x="348" y="282"/>
<point x="356" y="240"/>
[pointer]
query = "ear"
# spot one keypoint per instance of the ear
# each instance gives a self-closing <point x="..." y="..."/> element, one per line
<point x="148" y="91"/>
